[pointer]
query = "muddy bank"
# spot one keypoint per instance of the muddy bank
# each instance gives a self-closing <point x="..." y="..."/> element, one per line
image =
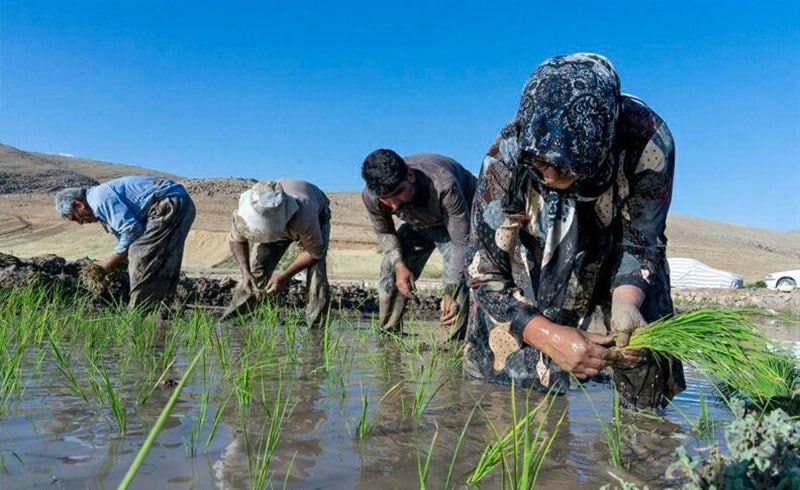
<point x="762" y="299"/>
<point x="75" y="276"/>
<point x="54" y="270"/>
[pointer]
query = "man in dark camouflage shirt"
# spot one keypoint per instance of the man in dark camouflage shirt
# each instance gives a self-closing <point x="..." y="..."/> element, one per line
<point x="568" y="225"/>
<point x="432" y="195"/>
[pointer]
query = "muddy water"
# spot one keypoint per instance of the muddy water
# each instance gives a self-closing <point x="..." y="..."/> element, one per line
<point x="54" y="439"/>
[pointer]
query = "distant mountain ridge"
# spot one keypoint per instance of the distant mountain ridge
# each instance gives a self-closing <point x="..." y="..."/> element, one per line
<point x="29" y="172"/>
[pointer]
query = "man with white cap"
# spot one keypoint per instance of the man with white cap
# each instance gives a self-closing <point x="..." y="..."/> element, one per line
<point x="270" y="216"/>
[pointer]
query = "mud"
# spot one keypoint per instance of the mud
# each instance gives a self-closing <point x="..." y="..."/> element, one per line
<point x="82" y="276"/>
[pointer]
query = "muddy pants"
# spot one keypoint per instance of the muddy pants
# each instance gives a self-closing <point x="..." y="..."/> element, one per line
<point x="154" y="259"/>
<point x="264" y="257"/>
<point x="416" y="247"/>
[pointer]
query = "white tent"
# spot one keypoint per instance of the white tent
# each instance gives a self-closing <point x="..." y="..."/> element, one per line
<point x="691" y="273"/>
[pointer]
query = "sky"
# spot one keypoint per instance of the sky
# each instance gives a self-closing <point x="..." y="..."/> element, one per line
<point x="307" y="89"/>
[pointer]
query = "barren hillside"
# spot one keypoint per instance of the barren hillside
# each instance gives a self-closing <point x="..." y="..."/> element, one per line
<point x="29" y="226"/>
<point x="24" y="171"/>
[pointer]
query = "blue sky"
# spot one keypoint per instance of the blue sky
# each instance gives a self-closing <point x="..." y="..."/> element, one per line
<point x="307" y="89"/>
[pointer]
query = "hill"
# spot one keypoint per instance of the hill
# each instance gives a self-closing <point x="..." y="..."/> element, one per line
<point x="29" y="226"/>
<point x="26" y="172"/>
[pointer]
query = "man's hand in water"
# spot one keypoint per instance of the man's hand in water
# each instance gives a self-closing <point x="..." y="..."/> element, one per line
<point x="404" y="279"/>
<point x="250" y="284"/>
<point x="449" y="308"/>
<point x="277" y="282"/>
<point x="625" y="314"/>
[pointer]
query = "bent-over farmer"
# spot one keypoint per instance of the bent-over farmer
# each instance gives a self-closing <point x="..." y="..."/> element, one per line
<point x="271" y="215"/>
<point x="569" y="216"/>
<point x="150" y="217"/>
<point x="432" y="195"/>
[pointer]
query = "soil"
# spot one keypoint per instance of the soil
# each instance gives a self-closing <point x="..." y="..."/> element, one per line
<point x="82" y="275"/>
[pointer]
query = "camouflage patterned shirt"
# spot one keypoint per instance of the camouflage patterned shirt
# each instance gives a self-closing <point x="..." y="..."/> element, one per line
<point x="561" y="254"/>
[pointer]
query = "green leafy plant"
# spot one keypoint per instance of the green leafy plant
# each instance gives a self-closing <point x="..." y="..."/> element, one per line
<point x="764" y="452"/>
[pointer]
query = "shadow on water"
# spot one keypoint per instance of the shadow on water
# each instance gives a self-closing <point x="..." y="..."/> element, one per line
<point x="51" y="436"/>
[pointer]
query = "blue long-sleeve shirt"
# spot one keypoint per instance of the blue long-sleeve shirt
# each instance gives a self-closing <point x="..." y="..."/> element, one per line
<point x="122" y="204"/>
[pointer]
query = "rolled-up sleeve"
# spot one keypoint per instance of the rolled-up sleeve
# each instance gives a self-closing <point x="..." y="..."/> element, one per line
<point x="383" y="225"/>
<point x="494" y="238"/>
<point x="644" y="213"/>
<point x="456" y="210"/>
<point x="236" y="235"/>
<point x="313" y="241"/>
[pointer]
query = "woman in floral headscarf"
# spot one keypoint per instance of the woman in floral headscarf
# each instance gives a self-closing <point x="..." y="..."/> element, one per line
<point x="568" y="220"/>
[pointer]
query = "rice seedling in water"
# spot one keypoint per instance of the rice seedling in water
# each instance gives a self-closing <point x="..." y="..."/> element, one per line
<point x="721" y="342"/>
<point x="279" y="412"/>
<point x="366" y="424"/>
<point x="147" y="392"/>
<point x="526" y="443"/>
<point x="162" y="419"/>
<point x="114" y="401"/>
<point x="200" y="418"/>
<point x="215" y="424"/>
<point x="612" y="430"/>
<point x="423" y="469"/>
<point x="458" y="444"/>
<point x="64" y="366"/>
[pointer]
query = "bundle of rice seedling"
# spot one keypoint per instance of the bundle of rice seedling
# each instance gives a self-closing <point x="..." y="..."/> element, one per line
<point x="95" y="278"/>
<point x="725" y="344"/>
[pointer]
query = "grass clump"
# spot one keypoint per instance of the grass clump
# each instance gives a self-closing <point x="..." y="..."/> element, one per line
<point x="727" y="345"/>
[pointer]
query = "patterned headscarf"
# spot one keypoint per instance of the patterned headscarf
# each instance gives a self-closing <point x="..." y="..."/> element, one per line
<point x="567" y="117"/>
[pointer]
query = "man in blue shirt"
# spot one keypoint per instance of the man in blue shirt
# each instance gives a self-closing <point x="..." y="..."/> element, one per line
<point x="150" y="217"/>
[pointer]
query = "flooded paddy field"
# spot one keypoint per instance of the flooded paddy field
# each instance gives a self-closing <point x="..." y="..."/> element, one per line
<point x="273" y="404"/>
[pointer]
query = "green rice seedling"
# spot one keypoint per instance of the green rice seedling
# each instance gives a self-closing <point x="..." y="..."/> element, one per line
<point x="524" y="442"/>
<point x="115" y="402"/>
<point x="720" y="342"/>
<point x="243" y="383"/>
<point x="427" y="383"/>
<point x="162" y="419"/>
<point x="220" y="344"/>
<point x="280" y="411"/>
<point x="215" y="424"/>
<point x="705" y="424"/>
<point x="366" y="424"/>
<point x="423" y="469"/>
<point x="148" y="390"/>
<point x="64" y="366"/>
<point x="328" y="346"/>
<point x="531" y="446"/>
<point x="197" y="427"/>
<point x="612" y="430"/>
<point x="200" y="418"/>
<point x="288" y="471"/>
<point x="457" y="449"/>
<point x="95" y="380"/>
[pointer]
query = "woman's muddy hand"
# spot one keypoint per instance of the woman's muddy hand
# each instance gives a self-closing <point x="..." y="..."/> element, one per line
<point x="574" y="351"/>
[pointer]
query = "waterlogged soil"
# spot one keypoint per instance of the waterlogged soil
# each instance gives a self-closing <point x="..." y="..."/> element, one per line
<point x="49" y="437"/>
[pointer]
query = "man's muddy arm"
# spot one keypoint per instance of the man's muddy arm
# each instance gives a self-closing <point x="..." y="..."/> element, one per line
<point x="241" y="252"/>
<point x="303" y="261"/>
